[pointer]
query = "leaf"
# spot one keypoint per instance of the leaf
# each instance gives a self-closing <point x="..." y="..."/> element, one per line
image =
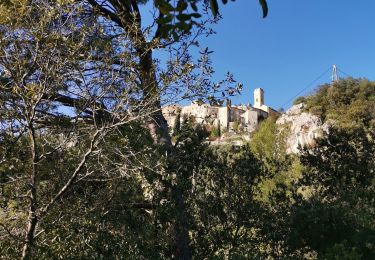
<point x="214" y="7"/>
<point x="175" y="36"/>
<point x="194" y="7"/>
<point x="196" y="15"/>
<point x="164" y="19"/>
<point x="183" y="26"/>
<point x="165" y="7"/>
<point x="264" y="5"/>
<point x="183" y="17"/>
<point x="181" y="6"/>
<point x="164" y="30"/>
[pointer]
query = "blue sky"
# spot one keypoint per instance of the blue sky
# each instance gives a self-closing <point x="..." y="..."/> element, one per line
<point x="297" y="42"/>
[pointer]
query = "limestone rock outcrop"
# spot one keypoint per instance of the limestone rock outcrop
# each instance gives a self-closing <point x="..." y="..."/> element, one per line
<point x="305" y="128"/>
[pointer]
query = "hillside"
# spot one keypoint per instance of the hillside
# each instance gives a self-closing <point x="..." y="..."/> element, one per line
<point x="350" y="103"/>
<point x="304" y="128"/>
<point x="322" y="197"/>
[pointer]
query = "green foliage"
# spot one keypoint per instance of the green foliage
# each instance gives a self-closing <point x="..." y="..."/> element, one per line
<point x="321" y="204"/>
<point x="177" y="123"/>
<point x="98" y="218"/>
<point x="236" y="127"/>
<point x="299" y="100"/>
<point x="181" y="16"/>
<point x="339" y="210"/>
<point x="131" y="197"/>
<point x="215" y="6"/>
<point x="264" y="5"/>
<point x="10" y="7"/>
<point x="342" y="251"/>
<point x="81" y="174"/>
<point x="268" y="143"/>
<point x="215" y="132"/>
<point x="350" y="103"/>
<point x="348" y="167"/>
<point x="101" y="221"/>
<point x="223" y="205"/>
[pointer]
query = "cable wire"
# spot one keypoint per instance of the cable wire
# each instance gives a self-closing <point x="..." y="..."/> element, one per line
<point x="340" y="70"/>
<point x="308" y="86"/>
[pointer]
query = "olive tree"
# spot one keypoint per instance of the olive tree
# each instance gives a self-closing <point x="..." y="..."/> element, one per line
<point x="77" y="76"/>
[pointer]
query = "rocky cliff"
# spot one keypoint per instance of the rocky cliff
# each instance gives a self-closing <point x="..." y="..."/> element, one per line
<point x="305" y="128"/>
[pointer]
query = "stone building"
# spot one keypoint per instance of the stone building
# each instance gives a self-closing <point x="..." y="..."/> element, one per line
<point x="259" y="102"/>
<point x="170" y="113"/>
<point x="226" y="117"/>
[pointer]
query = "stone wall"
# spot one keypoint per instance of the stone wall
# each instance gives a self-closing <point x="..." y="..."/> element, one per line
<point x="305" y="128"/>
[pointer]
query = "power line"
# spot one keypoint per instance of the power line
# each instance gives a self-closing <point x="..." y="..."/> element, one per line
<point x="346" y="74"/>
<point x="308" y="86"/>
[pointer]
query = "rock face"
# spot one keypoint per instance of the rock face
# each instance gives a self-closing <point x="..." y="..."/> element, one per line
<point x="305" y="128"/>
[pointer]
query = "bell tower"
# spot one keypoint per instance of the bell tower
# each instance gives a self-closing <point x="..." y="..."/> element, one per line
<point x="258" y="98"/>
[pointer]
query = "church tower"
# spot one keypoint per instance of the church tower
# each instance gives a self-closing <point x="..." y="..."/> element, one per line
<point x="258" y="98"/>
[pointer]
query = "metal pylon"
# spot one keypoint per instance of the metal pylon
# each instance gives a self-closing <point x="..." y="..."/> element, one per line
<point x="335" y="78"/>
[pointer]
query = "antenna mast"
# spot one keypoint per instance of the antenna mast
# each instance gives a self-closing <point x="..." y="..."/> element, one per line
<point x="334" y="77"/>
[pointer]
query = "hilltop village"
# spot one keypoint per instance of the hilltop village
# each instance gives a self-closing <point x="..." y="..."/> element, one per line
<point x="227" y="118"/>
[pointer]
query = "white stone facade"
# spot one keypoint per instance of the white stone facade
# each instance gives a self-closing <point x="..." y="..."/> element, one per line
<point x="245" y="116"/>
<point x="305" y="128"/>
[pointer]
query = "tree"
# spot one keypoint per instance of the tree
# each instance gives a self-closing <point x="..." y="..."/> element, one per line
<point x="74" y="73"/>
<point x="215" y="132"/>
<point x="177" y="122"/>
<point x="268" y="143"/>
<point x="340" y="171"/>
<point x="331" y="205"/>
<point x="215" y="6"/>
<point x="325" y="211"/>
<point x="299" y="100"/>
<point x="55" y="120"/>
<point x="349" y="103"/>
<point x="223" y="203"/>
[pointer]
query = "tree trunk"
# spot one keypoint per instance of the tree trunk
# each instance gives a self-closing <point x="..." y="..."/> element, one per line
<point x="26" y="251"/>
<point x="158" y="128"/>
<point x="181" y="247"/>
<point x="156" y="122"/>
<point x="32" y="218"/>
<point x="128" y="17"/>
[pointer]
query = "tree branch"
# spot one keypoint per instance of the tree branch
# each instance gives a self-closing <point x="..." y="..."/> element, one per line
<point x="72" y="178"/>
<point x="105" y="12"/>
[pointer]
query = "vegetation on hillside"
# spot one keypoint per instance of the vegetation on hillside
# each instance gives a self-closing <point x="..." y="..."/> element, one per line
<point x="89" y="171"/>
<point x="349" y="103"/>
<point x="327" y="213"/>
